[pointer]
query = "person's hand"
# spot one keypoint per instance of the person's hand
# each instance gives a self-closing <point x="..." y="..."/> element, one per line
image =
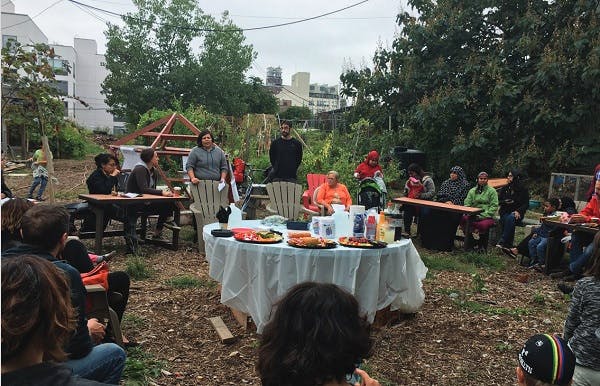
<point x="115" y="172"/>
<point x="449" y="202"/>
<point x="167" y="193"/>
<point x="517" y="215"/>
<point x="329" y="209"/>
<point x="3" y="195"/>
<point x="96" y="330"/>
<point x="356" y="175"/>
<point x="194" y="180"/>
<point x="365" y="380"/>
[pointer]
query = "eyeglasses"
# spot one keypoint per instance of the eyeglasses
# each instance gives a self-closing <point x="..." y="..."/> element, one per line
<point x="111" y="164"/>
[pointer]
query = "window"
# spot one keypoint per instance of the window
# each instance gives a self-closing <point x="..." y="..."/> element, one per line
<point x="62" y="86"/>
<point x="59" y="66"/>
<point x="9" y="40"/>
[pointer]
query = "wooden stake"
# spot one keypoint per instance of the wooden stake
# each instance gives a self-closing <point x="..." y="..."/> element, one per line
<point x="224" y="334"/>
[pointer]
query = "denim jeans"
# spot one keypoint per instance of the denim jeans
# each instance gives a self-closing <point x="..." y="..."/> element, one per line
<point x="537" y="249"/>
<point x="42" y="181"/>
<point x="579" y="261"/>
<point x="508" y="223"/>
<point x="105" y="363"/>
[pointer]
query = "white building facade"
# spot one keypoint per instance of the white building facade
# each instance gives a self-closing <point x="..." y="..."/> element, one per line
<point x="84" y="102"/>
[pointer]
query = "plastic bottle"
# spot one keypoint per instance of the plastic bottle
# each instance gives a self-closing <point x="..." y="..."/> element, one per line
<point x="381" y="225"/>
<point x="235" y="218"/>
<point x="371" y="227"/>
<point x="358" y="229"/>
<point x="389" y="208"/>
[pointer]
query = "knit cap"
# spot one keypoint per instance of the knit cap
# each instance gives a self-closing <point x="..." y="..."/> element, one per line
<point x="482" y="174"/>
<point x="373" y="155"/>
<point x="547" y="358"/>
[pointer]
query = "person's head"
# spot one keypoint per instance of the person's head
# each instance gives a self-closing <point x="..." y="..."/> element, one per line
<point x="597" y="188"/>
<point x="333" y="178"/>
<point x="373" y="158"/>
<point x="36" y="309"/>
<point x="551" y="205"/>
<point x="482" y="178"/>
<point x="205" y="139"/>
<point x="315" y="333"/>
<point x="594" y="269"/>
<point x="107" y="162"/>
<point x="457" y="173"/>
<point x="45" y="226"/>
<point x="285" y="129"/>
<point x="149" y="156"/>
<point x="414" y="170"/>
<point x="545" y="360"/>
<point x="12" y="215"/>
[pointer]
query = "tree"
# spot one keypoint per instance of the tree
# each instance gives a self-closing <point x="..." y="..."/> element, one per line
<point x="30" y="101"/>
<point x="296" y="113"/>
<point x="489" y="84"/>
<point x="258" y="98"/>
<point x="152" y="62"/>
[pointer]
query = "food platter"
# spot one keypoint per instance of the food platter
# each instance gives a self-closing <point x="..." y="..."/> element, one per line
<point x="242" y="230"/>
<point x="312" y="243"/>
<point x="361" y="242"/>
<point x="258" y="237"/>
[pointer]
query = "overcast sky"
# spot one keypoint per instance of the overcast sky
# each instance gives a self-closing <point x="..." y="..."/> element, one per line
<point x="318" y="46"/>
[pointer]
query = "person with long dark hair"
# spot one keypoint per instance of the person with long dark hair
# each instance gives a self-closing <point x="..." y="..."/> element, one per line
<point x="514" y="202"/>
<point x="426" y="190"/>
<point x="316" y="336"/>
<point x="12" y="213"/>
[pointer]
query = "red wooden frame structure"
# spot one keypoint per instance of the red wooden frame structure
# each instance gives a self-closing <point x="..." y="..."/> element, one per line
<point x="161" y="139"/>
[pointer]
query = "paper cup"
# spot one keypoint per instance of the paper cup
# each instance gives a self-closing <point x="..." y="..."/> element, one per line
<point x="177" y="191"/>
<point x="223" y="225"/>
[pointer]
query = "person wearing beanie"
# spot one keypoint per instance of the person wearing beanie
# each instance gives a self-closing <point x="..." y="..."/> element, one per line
<point x="370" y="167"/>
<point x="514" y="202"/>
<point x="545" y="358"/>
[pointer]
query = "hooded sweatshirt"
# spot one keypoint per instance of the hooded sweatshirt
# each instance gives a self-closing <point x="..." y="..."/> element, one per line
<point x="365" y="170"/>
<point x="142" y="180"/>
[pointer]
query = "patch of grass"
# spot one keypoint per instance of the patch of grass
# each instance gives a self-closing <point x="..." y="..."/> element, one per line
<point x="187" y="233"/>
<point x="504" y="347"/>
<point x="141" y="367"/>
<point x="92" y="148"/>
<point x="539" y="299"/>
<point x="133" y="322"/>
<point x="446" y="263"/>
<point x="137" y="268"/>
<point x="480" y="308"/>
<point x="489" y="261"/>
<point x="477" y="283"/>
<point x="184" y="281"/>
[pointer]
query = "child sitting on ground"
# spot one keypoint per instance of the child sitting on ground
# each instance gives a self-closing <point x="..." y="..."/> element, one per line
<point x="539" y="238"/>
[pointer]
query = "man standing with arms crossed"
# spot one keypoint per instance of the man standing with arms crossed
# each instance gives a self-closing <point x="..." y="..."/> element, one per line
<point x="285" y="155"/>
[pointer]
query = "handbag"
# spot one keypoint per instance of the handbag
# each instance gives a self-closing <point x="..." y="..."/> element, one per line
<point x="98" y="275"/>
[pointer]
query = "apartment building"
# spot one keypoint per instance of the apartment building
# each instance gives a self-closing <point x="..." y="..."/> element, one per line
<point x="317" y="97"/>
<point x="81" y="85"/>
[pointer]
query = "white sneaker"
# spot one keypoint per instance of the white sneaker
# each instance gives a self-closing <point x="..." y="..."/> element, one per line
<point x="565" y="239"/>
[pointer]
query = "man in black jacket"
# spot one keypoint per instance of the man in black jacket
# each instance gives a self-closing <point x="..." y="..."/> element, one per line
<point x="285" y="154"/>
<point x="514" y="202"/>
<point x="44" y="229"/>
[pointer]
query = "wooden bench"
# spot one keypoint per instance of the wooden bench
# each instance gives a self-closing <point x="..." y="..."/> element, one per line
<point x="469" y="211"/>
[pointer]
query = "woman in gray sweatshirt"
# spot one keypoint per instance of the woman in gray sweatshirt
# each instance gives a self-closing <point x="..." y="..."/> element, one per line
<point x="206" y="161"/>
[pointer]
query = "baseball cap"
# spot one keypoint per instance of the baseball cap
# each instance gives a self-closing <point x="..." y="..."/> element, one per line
<point x="547" y="358"/>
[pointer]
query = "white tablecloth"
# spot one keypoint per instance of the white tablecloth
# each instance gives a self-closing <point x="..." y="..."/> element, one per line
<point x="254" y="276"/>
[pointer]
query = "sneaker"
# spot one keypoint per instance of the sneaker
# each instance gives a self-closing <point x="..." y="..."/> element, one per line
<point x="40" y="199"/>
<point x="572" y="277"/>
<point x="172" y="226"/>
<point x="499" y="245"/>
<point x="558" y="275"/>
<point x="475" y="235"/>
<point x="508" y="252"/>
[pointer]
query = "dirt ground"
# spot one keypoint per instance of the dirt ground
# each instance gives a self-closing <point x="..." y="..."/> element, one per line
<point x="468" y="332"/>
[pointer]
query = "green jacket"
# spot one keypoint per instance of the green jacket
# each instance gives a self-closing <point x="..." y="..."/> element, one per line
<point x="486" y="200"/>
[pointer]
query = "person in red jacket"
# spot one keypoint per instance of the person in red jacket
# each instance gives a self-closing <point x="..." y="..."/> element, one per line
<point x="370" y="167"/>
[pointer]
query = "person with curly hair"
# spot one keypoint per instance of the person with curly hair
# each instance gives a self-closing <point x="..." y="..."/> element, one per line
<point x="316" y="336"/>
<point x="37" y="322"/>
<point x="12" y="213"/>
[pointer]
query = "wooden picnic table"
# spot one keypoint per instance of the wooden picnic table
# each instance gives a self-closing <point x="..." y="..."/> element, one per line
<point x="469" y="211"/>
<point x="497" y="183"/>
<point x="570" y="227"/>
<point x="99" y="202"/>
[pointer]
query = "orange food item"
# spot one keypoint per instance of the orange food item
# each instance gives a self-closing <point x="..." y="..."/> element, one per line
<point x="298" y="234"/>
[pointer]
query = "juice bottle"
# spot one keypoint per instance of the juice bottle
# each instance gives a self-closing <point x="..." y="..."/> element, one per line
<point x="381" y="225"/>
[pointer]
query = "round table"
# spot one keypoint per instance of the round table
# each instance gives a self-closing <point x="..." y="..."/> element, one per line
<point x="254" y="276"/>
